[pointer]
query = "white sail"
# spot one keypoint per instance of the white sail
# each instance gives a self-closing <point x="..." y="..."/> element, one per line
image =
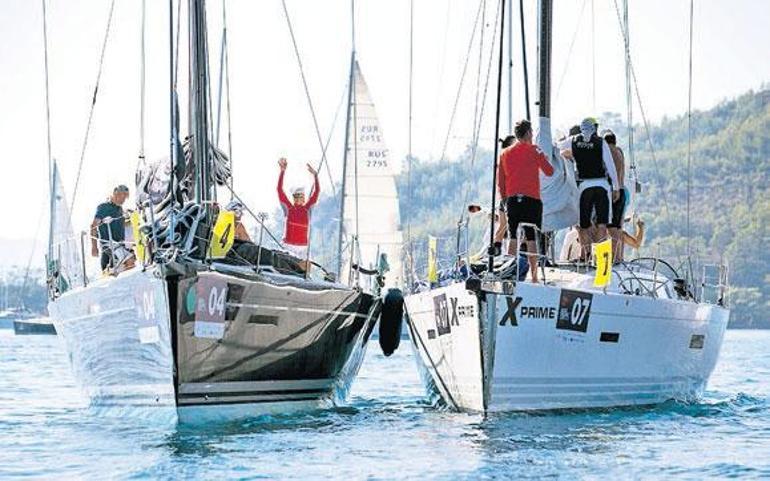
<point x="65" y="247"/>
<point x="371" y="200"/>
<point x="558" y="192"/>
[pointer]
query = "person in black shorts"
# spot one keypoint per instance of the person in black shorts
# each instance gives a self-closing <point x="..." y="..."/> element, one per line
<point x="615" y="226"/>
<point x="518" y="181"/>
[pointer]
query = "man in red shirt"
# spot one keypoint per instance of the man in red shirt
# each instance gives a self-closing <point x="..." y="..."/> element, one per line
<point x="297" y="213"/>
<point x="518" y="180"/>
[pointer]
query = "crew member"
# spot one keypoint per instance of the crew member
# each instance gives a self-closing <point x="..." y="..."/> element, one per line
<point x="236" y="207"/>
<point x="519" y="183"/>
<point x="297" y="213"/>
<point x="593" y="162"/>
<point x="108" y="229"/>
<point x="618" y="206"/>
<point x="502" y="223"/>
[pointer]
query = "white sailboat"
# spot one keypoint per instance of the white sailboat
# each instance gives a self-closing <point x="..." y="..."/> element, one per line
<point x="196" y="330"/>
<point x="492" y="343"/>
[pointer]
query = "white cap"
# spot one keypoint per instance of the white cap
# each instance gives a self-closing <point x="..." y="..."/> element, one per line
<point x="298" y="191"/>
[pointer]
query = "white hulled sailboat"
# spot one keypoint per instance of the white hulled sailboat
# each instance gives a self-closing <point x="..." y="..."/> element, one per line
<point x="491" y="343"/>
<point x="197" y="330"/>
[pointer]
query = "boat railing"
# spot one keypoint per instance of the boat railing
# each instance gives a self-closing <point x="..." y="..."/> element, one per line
<point x="539" y="253"/>
<point x="630" y="283"/>
<point x="715" y="285"/>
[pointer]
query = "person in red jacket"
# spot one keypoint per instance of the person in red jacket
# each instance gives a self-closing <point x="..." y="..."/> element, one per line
<point x="297" y="213"/>
<point x="518" y="180"/>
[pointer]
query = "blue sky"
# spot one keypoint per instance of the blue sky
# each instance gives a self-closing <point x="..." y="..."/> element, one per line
<point x="269" y="112"/>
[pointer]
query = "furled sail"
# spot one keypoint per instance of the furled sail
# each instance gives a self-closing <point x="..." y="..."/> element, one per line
<point x="371" y="200"/>
<point x="558" y="192"/>
<point x="66" y="269"/>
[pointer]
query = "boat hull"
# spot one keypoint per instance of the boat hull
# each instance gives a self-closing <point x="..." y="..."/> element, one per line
<point x="143" y="340"/>
<point x="544" y="347"/>
<point x="32" y="327"/>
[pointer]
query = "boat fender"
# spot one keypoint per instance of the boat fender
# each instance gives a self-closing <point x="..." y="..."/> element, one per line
<point x="391" y="321"/>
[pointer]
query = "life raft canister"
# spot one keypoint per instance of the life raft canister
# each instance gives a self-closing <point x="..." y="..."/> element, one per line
<point x="391" y="317"/>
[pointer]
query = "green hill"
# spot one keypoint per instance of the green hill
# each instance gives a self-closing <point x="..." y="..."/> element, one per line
<point x="730" y="197"/>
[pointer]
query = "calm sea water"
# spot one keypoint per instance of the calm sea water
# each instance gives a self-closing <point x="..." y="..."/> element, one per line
<point x="387" y="431"/>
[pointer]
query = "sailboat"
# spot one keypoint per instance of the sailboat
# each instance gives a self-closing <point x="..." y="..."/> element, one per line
<point x="194" y="330"/>
<point x="490" y="343"/>
<point x="65" y="267"/>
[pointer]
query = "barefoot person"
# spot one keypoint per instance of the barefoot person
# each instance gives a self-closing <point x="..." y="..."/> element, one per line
<point x="297" y="213"/>
<point x="519" y="184"/>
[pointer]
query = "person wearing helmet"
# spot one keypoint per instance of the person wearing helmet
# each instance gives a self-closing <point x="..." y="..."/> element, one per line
<point x="297" y="212"/>
<point x="593" y="165"/>
<point x="237" y="207"/>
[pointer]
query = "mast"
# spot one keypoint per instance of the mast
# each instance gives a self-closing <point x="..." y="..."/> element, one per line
<point x="51" y="172"/>
<point x="510" y="69"/>
<point x="524" y="59"/>
<point x="199" y="103"/>
<point x="545" y="34"/>
<point x="351" y="99"/>
<point x="629" y="98"/>
<point x="497" y="144"/>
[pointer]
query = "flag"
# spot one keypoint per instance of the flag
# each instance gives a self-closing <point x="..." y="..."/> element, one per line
<point x="432" y="269"/>
<point x="223" y="235"/>
<point x="602" y="253"/>
<point x="140" y="244"/>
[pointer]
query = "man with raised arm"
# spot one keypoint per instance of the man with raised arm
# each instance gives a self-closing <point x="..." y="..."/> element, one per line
<point x="297" y="213"/>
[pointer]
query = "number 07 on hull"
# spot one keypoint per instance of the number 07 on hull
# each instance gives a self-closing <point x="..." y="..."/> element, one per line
<point x="501" y="346"/>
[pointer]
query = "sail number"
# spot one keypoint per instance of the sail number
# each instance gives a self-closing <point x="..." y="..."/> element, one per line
<point x="212" y="300"/>
<point x="216" y="304"/>
<point x="574" y="310"/>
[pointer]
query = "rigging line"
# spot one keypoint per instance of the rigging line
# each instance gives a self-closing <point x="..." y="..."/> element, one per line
<point x="48" y="125"/>
<point x="689" y="128"/>
<point x="478" y="70"/>
<point x="93" y="103"/>
<point x="142" y="80"/>
<point x="645" y="122"/>
<point x="329" y="138"/>
<point x="256" y="217"/>
<point x="569" y="51"/>
<point x="593" y="58"/>
<point x="223" y="42"/>
<point x="227" y="98"/>
<point x="409" y="147"/>
<point x="176" y="42"/>
<point x="497" y="134"/>
<point x="440" y="88"/>
<point x="524" y="58"/>
<point x="462" y="81"/>
<point x="477" y="133"/>
<point x="32" y="255"/>
<point x="304" y="84"/>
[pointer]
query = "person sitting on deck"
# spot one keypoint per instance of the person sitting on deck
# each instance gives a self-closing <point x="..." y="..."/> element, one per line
<point x="108" y="229"/>
<point x="297" y="213"/>
<point x="518" y="180"/>
<point x="236" y="207"/>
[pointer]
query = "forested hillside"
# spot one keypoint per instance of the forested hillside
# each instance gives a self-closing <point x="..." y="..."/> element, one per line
<point x="730" y="197"/>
